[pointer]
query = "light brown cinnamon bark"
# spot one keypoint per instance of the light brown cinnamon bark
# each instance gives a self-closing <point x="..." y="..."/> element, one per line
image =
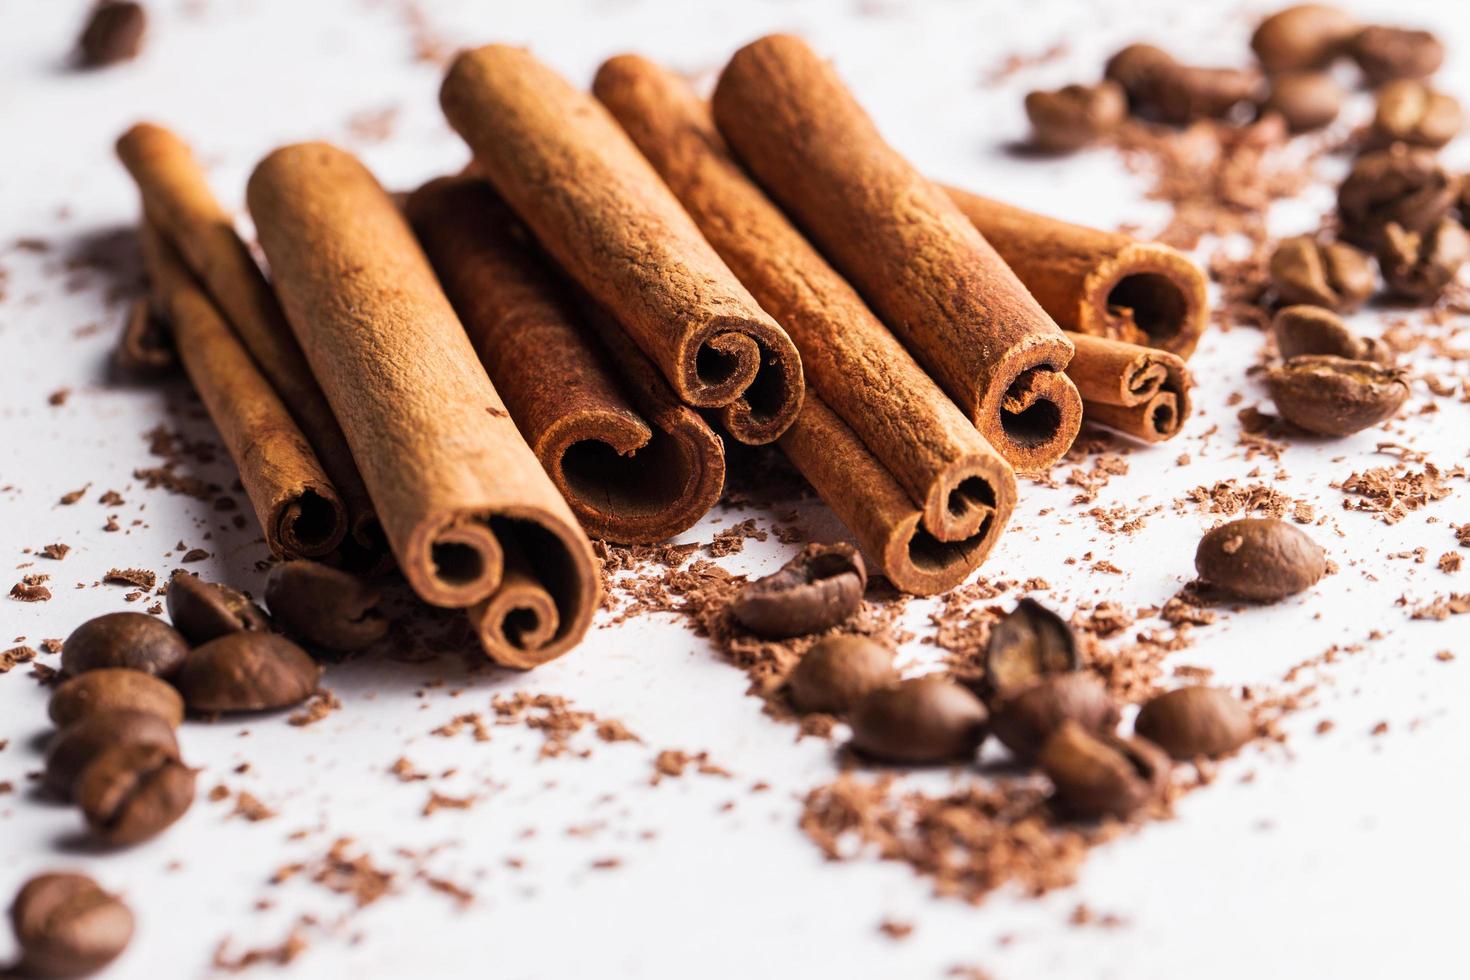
<point x="145" y="349"/>
<point x="459" y="492"/>
<point x="298" y="508"/>
<point x="602" y="213"/>
<point x="910" y="428"/>
<point x="1142" y="391"/>
<point x="1096" y="282"/>
<point x="178" y="202"/>
<point x="635" y="464"/>
<point x="898" y="238"/>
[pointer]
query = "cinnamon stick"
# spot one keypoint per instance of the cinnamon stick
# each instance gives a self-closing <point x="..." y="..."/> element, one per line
<point x="1141" y="391"/>
<point x="602" y="213"/>
<point x="899" y="239"/>
<point x="1103" y="283"/>
<point x="906" y="425"/>
<point x="145" y="349"/>
<point x="298" y="508"/>
<point x="178" y="202"/>
<point x="635" y="464"/>
<point x="464" y="503"/>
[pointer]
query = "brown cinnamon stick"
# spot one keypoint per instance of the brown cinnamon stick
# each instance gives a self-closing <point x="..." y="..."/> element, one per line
<point x="465" y="505"/>
<point x="635" y="464"/>
<point x="602" y="213"/>
<point x="898" y="238"/>
<point x="1141" y="391"/>
<point x="298" y="508"/>
<point x="1103" y="283"/>
<point x="905" y="423"/>
<point x="145" y="349"/>
<point x="178" y="202"/>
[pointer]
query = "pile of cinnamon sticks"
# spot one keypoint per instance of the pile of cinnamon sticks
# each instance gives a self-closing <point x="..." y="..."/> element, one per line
<point x="472" y="379"/>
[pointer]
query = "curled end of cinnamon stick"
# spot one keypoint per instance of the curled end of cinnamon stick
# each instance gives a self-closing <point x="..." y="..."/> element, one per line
<point x="456" y="563"/>
<point x="1155" y="420"/>
<point x="1147" y="294"/>
<point x="750" y="372"/>
<point x="308" y="525"/>
<point x="145" y="349"/>
<point x="1032" y="416"/>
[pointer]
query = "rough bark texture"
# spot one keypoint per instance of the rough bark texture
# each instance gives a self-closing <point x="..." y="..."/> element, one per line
<point x="1141" y="391"/>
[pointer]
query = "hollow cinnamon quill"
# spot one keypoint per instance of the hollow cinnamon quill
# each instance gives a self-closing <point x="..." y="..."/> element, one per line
<point x="635" y="464"/>
<point x="463" y="501"/>
<point x="297" y="506"/>
<point x="1102" y="283"/>
<point x="1141" y="391"/>
<point x="602" y="213"/>
<point x="922" y="267"/>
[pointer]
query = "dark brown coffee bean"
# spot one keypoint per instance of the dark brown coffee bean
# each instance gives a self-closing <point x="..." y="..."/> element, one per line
<point x="1307" y="100"/>
<point x="1195" y="721"/>
<point x="1327" y="274"/>
<point x="124" y="639"/>
<point x="247" y="672"/>
<point x="1260" y="558"/>
<point x="1140" y="70"/>
<point x="814" y="591"/>
<point x="130" y="793"/>
<point x="204" y="610"/>
<point x="1388" y="53"/>
<point x="115" y="689"/>
<point x="1025" y="720"/>
<point x="324" y="606"/>
<point x="922" y="720"/>
<point x="1076" y="115"/>
<point x="66" y="926"/>
<point x="1419" y="267"/>
<point x="1331" y="396"/>
<point x="1027" y="645"/>
<point x="1403" y="185"/>
<point x="1306" y="330"/>
<point x="1187" y="93"/>
<point x="1409" y="111"/>
<point x="838" y="672"/>
<point x="1098" y="775"/>
<point x="114" y="33"/>
<point x="76" y="745"/>
<point x="1303" y="37"/>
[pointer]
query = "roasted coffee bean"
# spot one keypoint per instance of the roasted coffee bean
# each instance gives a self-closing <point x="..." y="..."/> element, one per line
<point x="247" y="672"/>
<point x="838" y="672"/>
<point x="1329" y="274"/>
<point x="115" y="689"/>
<point x="324" y="606"/>
<point x="1260" y="558"/>
<point x="1027" y="645"/>
<point x="130" y="793"/>
<point x="76" y="745"/>
<point x="66" y="926"/>
<point x="814" y="591"/>
<point x="1140" y="69"/>
<point x="1303" y="37"/>
<point x="114" y="33"/>
<point x="1409" y="111"/>
<point x="1076" y="115"/>
<point x="922" y="720"/>
<point x="1307" y="100"/>
<point x="1403" y="185"/>
<point x="1195" y="721"/>
<point x="1388" y="53"/>
<point x="124" y="639"/>
<point x="1098" y="774"/>
<point x="1419" y="267"/>
<point x="1188" y="93"/>
<point x="1331" y="396"/>
<point x="1306" y="330"/>
<point x="1024" y="721"/>
<point x="204" y="610"/>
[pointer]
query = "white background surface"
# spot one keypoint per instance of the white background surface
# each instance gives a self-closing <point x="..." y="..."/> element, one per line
<point x="1345" y="856"/>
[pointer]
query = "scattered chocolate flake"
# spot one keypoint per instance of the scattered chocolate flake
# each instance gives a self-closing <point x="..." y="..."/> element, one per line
<point x="1450" y="562"/>
<point x="251" y="808"/>
<point x="282" y="954"/>
<point x="672" y="763"/>
<point x="1443" y="607"/>
<point x="31" y="589"/>
<point x="731" y="541"/>
<point x="896" y="930"/>
<point x="321" y="703"/>
<point x="438" y="801"/>
<point x="67" y="499"/>
<point x="194" y="554"/>
<point x="14" y="657"/>
<point x="1392" y="492"/>
<point x="54" y="551"/>
<point x="141" y="577"/>
<point x="406" y="772"/>
<point x="58" y="397"/>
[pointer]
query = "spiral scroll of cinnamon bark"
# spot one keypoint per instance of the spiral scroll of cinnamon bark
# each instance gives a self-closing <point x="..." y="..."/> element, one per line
<point x="1141" y="391"/>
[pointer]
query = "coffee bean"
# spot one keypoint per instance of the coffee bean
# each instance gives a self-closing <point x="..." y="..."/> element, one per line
<point x="247" y="672"/>
<point x="1098" y="774"/>
<point x="1027" y="645"/>
<point x="1388" y="53"/>
<point x="1187" y="93"/>
<point x="1260" y="558"/>
<point x="1327" y="274"/>
<point x="114" y="33"/>
<point x="115" y="689"/>
<point x="1076" y="115"/>
<point x="838" y="672"/>
<point x="1140" y="69"/>
<point x="922" y="720"/>
<point x="66" y="926"/>
<point x="1304" y="330"/>
<point x="1409" y="111"/>
<point x="124" y="639"/>
<point x="325" y="607"/>
<point x="1419" y="267"/>
<point x="1025" y="720"/>
<point x="1307" y="100"/>
<point x="816" y="590"/>
<point x="1303" y="37"/>
<point x="1403" y="185"/>
<point x="204" y="610"/>
<point x="76" y="745"/>
<point x="130" y="793"/>
<point x="1331" y="396"/>
<point x="1195" y="721"/>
